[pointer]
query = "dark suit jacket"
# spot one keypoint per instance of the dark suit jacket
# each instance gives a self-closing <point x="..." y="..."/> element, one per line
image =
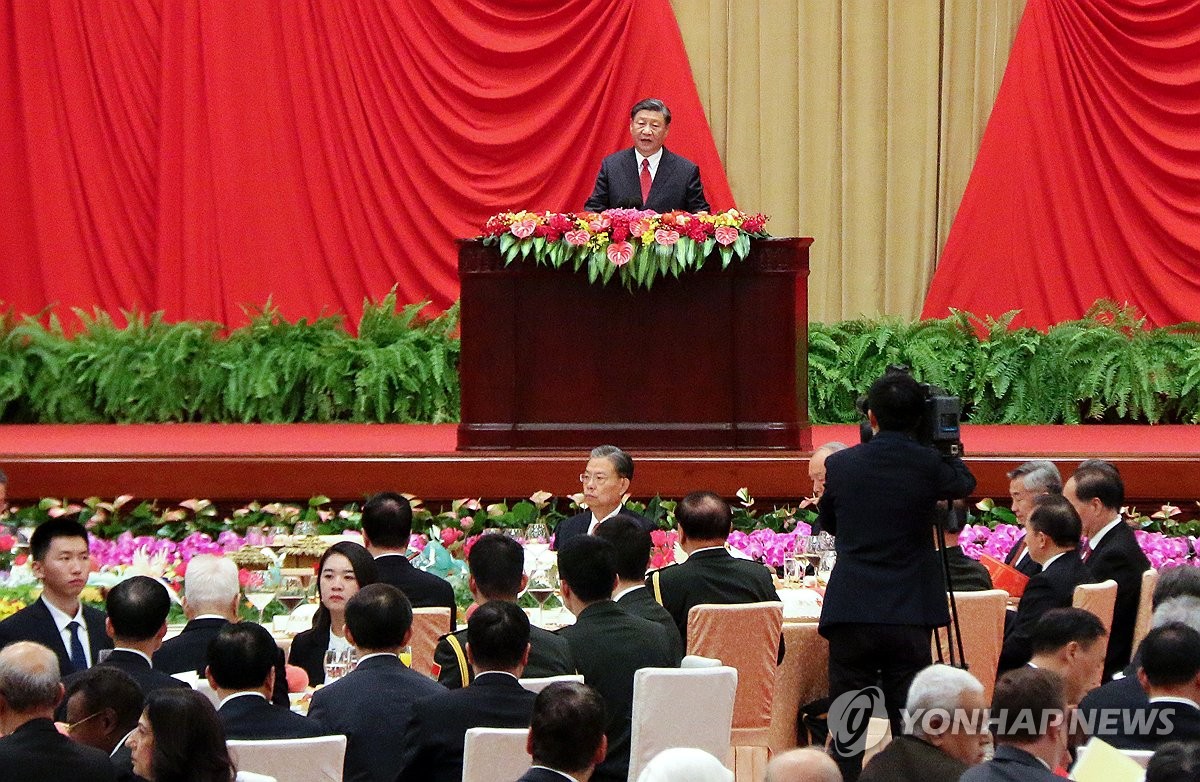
<point x="136" y="666"/>
<point x="34" y="623"/>
<point x="549" y="655"/>
<point x="1010" y="764"/>
<point x="254" y="717"/>
<point x="1157" y="723"/>
<point x="188" y="651"/>
<point x="909" y="759"/>
<point x="879" y="500"/>
<point x="1123" y="693"/>
<point x="710" y="576"/>
<point x="37" y="752"/>
<point x="1054" y="587"/>
<point x="641" y="603"/>
<point x="371" y="706"/>
<point x="540" y="775"/>
<point x="423" y="590"/>
<point x="579" y="523"/>
<point x="1027" y="566"/>
<point x="676" y="184"/>
<point x="609" y="646"/>
<point x="437" y="730"/>
<point x="1119" y="557"/>
<point x="966" y="574"/>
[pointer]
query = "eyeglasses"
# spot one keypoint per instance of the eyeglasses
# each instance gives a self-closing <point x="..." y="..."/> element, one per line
<point x="587" y="477"/>
<point x="77" y="723"/>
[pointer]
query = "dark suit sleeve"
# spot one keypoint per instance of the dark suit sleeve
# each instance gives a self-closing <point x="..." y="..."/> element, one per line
<point x="955" y="479"/>
<point x="414" y="760"/>
<point x="1037" y="599"/>
<point x="598" y="200"/>
<point x="695" y="200"/>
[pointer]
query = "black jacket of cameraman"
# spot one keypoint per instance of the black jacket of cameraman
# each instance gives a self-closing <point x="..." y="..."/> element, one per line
<point x="879" y="501"/>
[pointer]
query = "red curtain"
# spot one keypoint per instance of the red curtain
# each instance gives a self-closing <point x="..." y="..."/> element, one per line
<point x="195" y="156"/>
<point x="1087" y="183"/>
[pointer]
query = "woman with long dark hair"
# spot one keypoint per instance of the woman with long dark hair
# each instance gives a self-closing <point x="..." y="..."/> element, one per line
<point x="179" y="738"/>
<point x="345" y="567"/>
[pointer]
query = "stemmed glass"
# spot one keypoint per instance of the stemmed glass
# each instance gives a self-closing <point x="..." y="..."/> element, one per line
<point x="543" y="584"/>
<point x="825" y="568"/>
<point x="337" y="664"/>
<point x="292" y="593"/>
<point x="260" y="590"/>
<point x="537" y="539"/>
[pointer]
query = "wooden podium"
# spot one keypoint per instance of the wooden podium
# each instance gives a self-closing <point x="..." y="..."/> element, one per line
<point x="714" y="359"/>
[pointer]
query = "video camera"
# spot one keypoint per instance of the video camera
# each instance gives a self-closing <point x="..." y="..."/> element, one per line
<point x="939" y="420"/>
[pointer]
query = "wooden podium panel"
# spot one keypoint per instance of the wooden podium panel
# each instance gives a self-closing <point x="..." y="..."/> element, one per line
<point x="713" y="359"/>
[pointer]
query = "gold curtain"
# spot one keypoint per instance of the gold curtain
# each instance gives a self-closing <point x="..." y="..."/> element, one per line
<point x="855" y="122"/>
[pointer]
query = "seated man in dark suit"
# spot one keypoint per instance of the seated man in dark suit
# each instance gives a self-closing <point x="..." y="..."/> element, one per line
<point x="966" y="574"/>
<point x="1052" y="535"/>
<point x="241" y="669"/>
<point x="1030" y="732"/>
<point x="103" y="706"/>
<point x="609" y="645"/>
<point x="939" y="747"/>
<point x="710" y="574"/>
<point x="1025" y="484"/>
<point x="32" y="749"/>
<point x="566" y="733"/>
<point x="1070" y="642"/>
<point x="386" y="528"/>
<point x="211" y="594"/>
<point x="606" y="481"/>
<point x="648" y="176"/>
<point x="498" y="647"/>
<point x="632" y="545"/>
<point x="498" y="573"/>
<point x="1097" y="493"/>
<point x="57" y="620"/>
<point x="137" y="622"/>
<point x="371" y="704"/>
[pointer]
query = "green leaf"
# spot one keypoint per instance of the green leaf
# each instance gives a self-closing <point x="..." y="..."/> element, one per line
<point x="506" y="241"/>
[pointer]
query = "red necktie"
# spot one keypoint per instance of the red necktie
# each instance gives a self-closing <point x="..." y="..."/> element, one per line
<point x="646" y="180"/>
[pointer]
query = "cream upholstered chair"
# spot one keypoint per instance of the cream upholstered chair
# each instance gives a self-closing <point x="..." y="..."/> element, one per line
<point x="1101" y="600"/>
<point x="745" y="637"/>
<point x="202" y="685"/>
<point x="490" y="754"/>
<point x="540" y="683"/>
<point x="249" y="776"/>
<point x="981" y="617"/>
<point x="681" y="707"/>
<point x="1141" y="625"/>
<point x="429" y="624"/>
<point x="316" y="759"/>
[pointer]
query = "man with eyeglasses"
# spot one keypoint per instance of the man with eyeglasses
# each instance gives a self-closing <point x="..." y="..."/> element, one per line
<point x="103" y="706"/>
<point x="605" y="482"/>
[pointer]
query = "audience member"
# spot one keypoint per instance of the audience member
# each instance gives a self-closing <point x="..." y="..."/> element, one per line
<point x="241" y="669"/>
<point x="1028" y="713"/>
<point x="805" y="764"/>
<point x="605" y="482"/>
<point x="343" y="569"/>
<point x="386" y="529"/>
<point x="57" y="620"/>
<point x="945" y="712"/>
<point x="180" y="739"/>
<point x="1175" y="761"/>
<point x="608" y="645"/>
<point x="710" y="574"/>
<point x="498" y="648"/>
<point x="816" y="465"/>
<point x="631" y="546"/>
<point x="103" y="706"/>
<point x="371" y="704"/>
<point x="566" y="733"/>
<point x="137" y="622"/>
<point x="29" y="692"/>
<point x="1052" y="535"/>
<point x="3" y="492"/>
<point x="966" y="574"/>
<point x="1170" y="674"/>
<point x="497" y="565"/>
<point x="211" y="595"/>
<point x="1112" y="551"/>
<point x="1070" y="642"/>
<point x="685" y="764"/>
<point x="1025" y="484"/>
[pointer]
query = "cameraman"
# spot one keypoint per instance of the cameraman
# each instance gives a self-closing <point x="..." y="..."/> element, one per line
<point x="887" y="591"/>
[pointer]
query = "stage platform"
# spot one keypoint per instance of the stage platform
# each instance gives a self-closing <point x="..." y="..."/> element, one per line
<point x="233" y="462"/>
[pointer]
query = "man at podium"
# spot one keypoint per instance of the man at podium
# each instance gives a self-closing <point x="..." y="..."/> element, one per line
<point x="648" y="175"/>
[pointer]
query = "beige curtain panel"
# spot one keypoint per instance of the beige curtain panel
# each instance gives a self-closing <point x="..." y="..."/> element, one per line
<point x="855" y="122"/>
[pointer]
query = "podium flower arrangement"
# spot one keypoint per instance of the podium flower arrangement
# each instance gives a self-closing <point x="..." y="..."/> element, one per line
<point x="637" y="246"/>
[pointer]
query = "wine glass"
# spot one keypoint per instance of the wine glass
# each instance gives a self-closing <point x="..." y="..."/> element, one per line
<point x="825" y="568"/>
<point x="259" y="591"/>
<point x="537" y="539"/>
<point x="292" y="593"/>
<point x="791" y="570"/>
<point x="336" y="664"/>
<point x="543" y="585"/>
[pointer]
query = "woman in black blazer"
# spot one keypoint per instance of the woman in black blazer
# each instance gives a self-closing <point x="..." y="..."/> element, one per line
<point x="344" y="568"/>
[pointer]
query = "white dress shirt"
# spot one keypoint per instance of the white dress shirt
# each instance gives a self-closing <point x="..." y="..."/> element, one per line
<point x="61" y="620"/>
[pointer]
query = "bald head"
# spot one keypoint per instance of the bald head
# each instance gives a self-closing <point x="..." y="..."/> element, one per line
<point x="29" y="680"/>
<point x="803" y="765"/>
<point x="816" y="465"/>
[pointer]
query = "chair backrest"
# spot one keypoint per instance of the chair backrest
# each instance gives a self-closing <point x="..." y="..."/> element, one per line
<point x="1145" y="612"/>
<point x="696" y="661"/>
<point x="429" y="624"/>
<point x="1100" y="599"/>
<point x="540" y="683"/>
<point x="248" y="776"/>
<point x="981" y="617"/>
<point x="202" y="685"/>
<point x="316" y="759"/>
<point x="490" y="754"/>
<point x="746" y="637"/>
<point x="676" y="707"/>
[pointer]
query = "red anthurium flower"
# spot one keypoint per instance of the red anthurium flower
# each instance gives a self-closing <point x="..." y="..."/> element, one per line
<point x="523" y="228"/>
<point x="668" y="238"/>
<point x="726" y="235"/>
<point x="577" y="238"/>
<point x="620" y="253"/>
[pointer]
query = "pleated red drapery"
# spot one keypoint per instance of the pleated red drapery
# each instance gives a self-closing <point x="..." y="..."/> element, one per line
<point x="194" y="156"/>
<point x="1087" y="183"/>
